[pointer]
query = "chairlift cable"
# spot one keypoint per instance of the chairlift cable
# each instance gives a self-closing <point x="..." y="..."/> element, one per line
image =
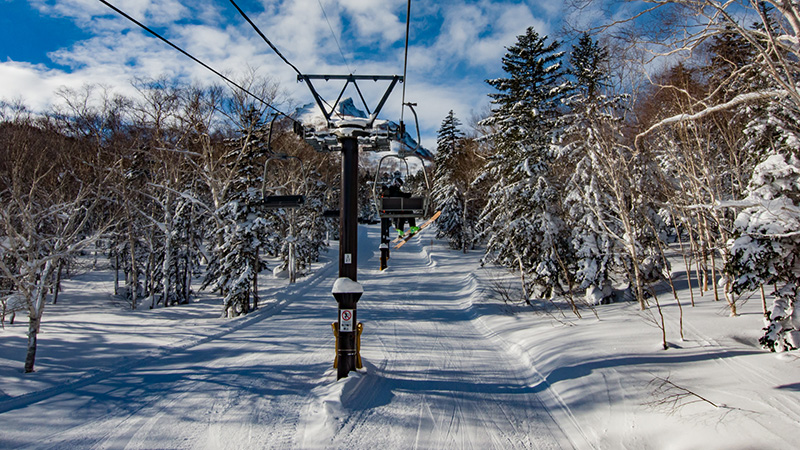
<point x="275" y="49"/>
<point x="333" y="111"/>
<point x="166" y="41"/>
<point x="405" y="60"/>
<point x="335" y="39"/>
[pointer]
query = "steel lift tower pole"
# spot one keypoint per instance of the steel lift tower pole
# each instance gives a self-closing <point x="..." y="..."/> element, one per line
<point x="347" y="135"/>
<point x="348" y="293"/>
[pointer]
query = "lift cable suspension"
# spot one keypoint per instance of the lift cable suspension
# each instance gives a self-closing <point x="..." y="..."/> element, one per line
<point x="166" y="41"/>
<point x="405" y="60"/>
<point x="299" y="74"/>
<point x="335" y="39"/>
<point x="275" y="49"/>
<point x="349" y="135"/>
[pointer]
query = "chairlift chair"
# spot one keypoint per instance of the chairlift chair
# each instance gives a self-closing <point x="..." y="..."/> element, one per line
<point x="279" y="201"/>
<point x="290" y="202"/>
<point x="399" y="207"/>
<point x="402" y="207"/>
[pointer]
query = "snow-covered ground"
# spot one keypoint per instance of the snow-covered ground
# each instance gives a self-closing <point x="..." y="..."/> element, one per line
<point x="446" y="366"/>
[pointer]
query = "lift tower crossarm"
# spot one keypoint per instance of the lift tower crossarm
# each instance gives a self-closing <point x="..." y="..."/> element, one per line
<point x="350" y="79"/>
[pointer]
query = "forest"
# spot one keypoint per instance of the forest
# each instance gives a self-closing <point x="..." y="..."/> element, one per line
<point x="603" y="152"/>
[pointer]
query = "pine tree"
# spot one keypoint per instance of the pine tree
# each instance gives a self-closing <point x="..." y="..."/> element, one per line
<point x="766" y="247"/>
<point x="237" y="262"/>
<point x="763" y="249"/>
<point x="767" y="250"/>
<point x="447" y="140"/>
<point x="449" y="191"/>
<point x="587" y="65"/>
<point x="527" y="102"/>
<point x="589" y="129"/>
<point x="521" y="218"/>
<point x="245" y="225"/>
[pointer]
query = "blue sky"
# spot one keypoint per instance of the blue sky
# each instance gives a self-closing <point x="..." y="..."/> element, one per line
<point x="455" y="45"/>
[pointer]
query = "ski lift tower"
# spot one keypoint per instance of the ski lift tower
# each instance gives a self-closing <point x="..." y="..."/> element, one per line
<point x="347" y="135"/>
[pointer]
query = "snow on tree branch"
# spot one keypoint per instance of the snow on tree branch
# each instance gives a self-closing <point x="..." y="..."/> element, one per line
<point x="738" y="100"/>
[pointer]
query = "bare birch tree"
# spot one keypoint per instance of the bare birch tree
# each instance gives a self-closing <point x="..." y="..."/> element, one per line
<point x="51" y="194"/>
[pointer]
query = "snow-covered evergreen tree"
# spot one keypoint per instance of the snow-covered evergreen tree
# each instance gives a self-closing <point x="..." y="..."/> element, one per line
<point x="527" y="102"/>
<point x="588" y="63"/>
<point x="521" y="218"/>
<point x="245" y="228"/>
<point x="449" y="192"/>
<point x="765" y="248"/>
<point x="590" y="127"/>
<point x="238" y="260"/>
<point x="310" y="227"/>
<point x="767" y="252"/>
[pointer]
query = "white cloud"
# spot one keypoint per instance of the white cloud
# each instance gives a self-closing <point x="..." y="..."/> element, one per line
<point x="25" y="81"/>
<point x="376" y="19"/>
<point x="298" y="29"/>
<point x="552" y="8"/>
<point x="37" y="85"/>
<point x="151" y="12"/>
<point x="210" y="42"/>
<point x="455" y="46"/>
<point x="476" y="34"/>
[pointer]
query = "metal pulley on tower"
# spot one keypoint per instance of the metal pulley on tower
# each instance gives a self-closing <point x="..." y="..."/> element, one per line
<point x="327" y="138"/>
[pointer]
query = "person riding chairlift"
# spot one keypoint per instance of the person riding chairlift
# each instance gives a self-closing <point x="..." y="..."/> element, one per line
<point x="392" y="188"/>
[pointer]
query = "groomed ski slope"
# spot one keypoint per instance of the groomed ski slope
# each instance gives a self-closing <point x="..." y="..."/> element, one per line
<point x="432" y="378"/>
<point x="445" y="367"/>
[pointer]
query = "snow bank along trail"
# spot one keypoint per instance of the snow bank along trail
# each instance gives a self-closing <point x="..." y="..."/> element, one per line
<point x="433" y="378"/>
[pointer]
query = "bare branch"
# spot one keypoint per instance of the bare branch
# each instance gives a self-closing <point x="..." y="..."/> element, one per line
<point x="738" y="100"/>
<point x="671" y="396"/>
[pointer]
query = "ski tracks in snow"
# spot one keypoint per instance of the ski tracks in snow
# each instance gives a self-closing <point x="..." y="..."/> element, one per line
<point x="435" y="376"/>
<point x="242" y="387"/>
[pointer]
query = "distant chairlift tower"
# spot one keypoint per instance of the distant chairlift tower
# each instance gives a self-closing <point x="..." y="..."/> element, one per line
<point x="347" y="135"/>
